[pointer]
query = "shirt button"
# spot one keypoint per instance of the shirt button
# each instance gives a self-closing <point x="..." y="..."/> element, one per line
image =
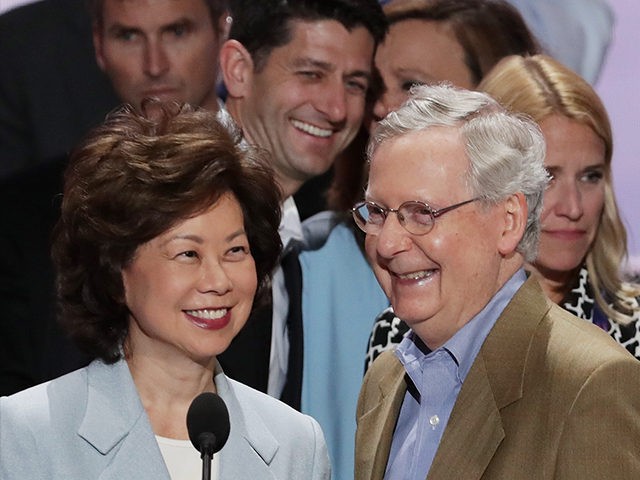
<point x="434" y="420"/>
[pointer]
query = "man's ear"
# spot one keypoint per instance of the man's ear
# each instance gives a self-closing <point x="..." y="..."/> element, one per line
<point x="237" y="68"/>
<point x="97" y="46"/>
<point x="515" y="223"/>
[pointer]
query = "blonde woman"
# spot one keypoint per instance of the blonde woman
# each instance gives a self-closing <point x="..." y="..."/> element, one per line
<point x="583" y="243"/>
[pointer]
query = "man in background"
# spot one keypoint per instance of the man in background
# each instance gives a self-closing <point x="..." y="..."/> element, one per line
<point x="296" y="74"/>
<point x="163" y="48"/>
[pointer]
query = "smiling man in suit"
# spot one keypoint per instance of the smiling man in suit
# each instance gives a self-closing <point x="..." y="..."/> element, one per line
<point x="493" y="381"/>
<point x="297" y="75"/>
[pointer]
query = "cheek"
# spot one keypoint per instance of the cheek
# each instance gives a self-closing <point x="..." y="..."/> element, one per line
<point x="355" y="104"/>
<point x="246" y="280"/>
<point x="594" y="206"/>
<point x="370" y="248"/>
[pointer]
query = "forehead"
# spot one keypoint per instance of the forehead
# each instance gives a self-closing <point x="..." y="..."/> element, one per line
<point x="403" y="52"/>
<point x="571" y="144"/>
<point x="142" y="13"/>
<point x="328" y="41"/>
<point x="427" y="165"/>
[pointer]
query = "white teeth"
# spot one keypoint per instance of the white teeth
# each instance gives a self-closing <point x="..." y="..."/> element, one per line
<point x="311" y="129"/>
<point x="208" y="314"/>
<point x="416" y="275"/>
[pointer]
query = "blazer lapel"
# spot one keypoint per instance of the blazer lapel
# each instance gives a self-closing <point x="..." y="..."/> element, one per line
<point x="116" y="425"/>
<point x="475" y="431"/>
<point x="376" y="426"/>
<point x="251" y="447"/>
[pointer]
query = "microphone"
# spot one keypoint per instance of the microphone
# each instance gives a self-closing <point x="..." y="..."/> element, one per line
<point x="208" y="427"/>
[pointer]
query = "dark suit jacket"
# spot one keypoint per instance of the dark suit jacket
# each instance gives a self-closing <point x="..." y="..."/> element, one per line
<point x="549" y="396"/>
<point x="32" y="348"/>
<point x="51" y="90"/>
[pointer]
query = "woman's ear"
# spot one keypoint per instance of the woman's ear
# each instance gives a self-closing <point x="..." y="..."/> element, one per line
<point x="515" y="223"/>
<point x="237" y="68"/>
<point x="96" y="35"/>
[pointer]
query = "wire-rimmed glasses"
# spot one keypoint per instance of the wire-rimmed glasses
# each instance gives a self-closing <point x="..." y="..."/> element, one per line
<point x="416" y="217"/>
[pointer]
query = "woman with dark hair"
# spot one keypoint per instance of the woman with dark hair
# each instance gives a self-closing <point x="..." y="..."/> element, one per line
<point x="168" y="228"/>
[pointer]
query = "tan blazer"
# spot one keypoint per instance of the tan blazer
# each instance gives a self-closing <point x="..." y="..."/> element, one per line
<point x="549" y="396"/>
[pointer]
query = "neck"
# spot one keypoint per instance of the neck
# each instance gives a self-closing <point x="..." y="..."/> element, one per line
<point x="436" y="331"/>
<point x="288" y="185"/>
<point x="210" y="103"/>
<point x="167" y="384"/>
<point x="554" y="284"/>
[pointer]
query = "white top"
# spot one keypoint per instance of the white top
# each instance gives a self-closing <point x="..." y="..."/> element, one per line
<point x="290" y="229"/>
<point x="183" y="460"/>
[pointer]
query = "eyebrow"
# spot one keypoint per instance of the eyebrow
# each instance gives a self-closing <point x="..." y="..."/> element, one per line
<point x="199" y="240"/>
<point x="119" y="27"/>
<point x="328" y="67"/>
<point x="560" y="168"/>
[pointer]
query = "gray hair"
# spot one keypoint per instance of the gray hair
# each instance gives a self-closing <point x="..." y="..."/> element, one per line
<point x="505" y="150"/>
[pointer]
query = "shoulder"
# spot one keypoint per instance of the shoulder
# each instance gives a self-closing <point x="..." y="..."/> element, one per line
<point x="384" y="365"/>
<point x="330" y="244"/>
<point x="290" y="443"/>
<point x="42" y="419"/>
<point x="384" y="371"/>
<point x="278" y="416"/>
<point x="579" y="354"/>
<point x="36" y="403"/>
<point x="317" y="228"/>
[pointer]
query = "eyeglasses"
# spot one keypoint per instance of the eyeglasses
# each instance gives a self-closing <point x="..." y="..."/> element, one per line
<point x="416" y="217"/>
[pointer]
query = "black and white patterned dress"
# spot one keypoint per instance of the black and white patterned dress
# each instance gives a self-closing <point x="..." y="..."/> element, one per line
<point x="389" y="330"/>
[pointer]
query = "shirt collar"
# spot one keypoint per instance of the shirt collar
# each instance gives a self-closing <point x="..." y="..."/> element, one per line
<point x="290" y="226"/>
<point x="466" y="343"/>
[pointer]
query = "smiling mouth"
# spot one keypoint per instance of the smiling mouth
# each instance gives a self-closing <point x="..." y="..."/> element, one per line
<point x="311" y="129"/>
<point x="207" y="314"/>
<point x="420" y="275"/>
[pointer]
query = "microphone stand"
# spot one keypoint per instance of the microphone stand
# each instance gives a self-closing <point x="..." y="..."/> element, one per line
<point x="207" y="442"/>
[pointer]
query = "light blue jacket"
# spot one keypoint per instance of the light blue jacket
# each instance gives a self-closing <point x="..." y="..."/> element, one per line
<point x="90" y="424"/>
<point x="340" y="300"/>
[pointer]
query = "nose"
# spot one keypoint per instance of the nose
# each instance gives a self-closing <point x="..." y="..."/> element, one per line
<point x="393" y="238"/>
<point x="214" y="278"/>
<point x="380" y="109"/>
<point x="333" y="102"/>
<point x="156" y="61"/>
<point x="567" y="200"/>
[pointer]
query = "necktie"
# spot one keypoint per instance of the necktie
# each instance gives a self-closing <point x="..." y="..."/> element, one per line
<point x="292" y="391"/>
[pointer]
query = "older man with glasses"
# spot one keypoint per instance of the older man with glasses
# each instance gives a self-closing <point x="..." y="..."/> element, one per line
<point x="493" y="380"/>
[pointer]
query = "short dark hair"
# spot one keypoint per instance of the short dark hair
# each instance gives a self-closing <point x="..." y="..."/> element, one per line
<point x="216" y="9"/>
<point x="260" y="26"/>
<point x="133" y="178"/>
<point x="487" y="30"/>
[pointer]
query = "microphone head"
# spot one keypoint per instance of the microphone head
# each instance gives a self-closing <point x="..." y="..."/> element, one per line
<point x="208" y="423"/>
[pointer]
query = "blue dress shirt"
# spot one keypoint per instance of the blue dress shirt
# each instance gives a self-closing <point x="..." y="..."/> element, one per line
<point x="435" y="379"/>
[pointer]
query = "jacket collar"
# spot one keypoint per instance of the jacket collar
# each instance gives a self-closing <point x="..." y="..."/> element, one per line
<point x="376" y="426"/>
<point x="116" y="424"/>
<point x="494" y="382"/>
<point x="251" y="446"/>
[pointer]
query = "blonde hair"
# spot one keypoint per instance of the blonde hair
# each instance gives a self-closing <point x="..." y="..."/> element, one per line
<point x="539" y="86"/>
